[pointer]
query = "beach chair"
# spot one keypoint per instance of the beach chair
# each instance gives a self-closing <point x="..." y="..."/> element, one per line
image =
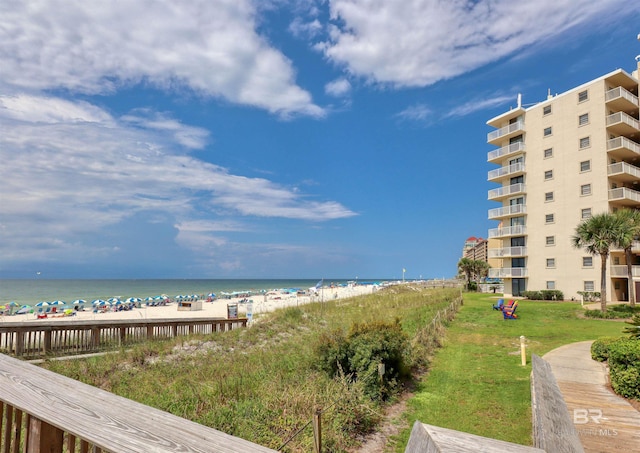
<point x="510" y="312"/>
<point x="499" y="305"/>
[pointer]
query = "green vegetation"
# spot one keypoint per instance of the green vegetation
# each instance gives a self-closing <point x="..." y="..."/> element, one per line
<point x="478" y="369"/>
<point x="623" y="358"/>
<point x="545" y="294"/>
<point x="614" y="312"/>
<point x="473" y="270"/>
<point x="264" y="382"/>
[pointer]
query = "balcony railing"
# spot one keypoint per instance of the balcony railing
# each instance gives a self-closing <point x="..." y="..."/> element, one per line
<point x="505" y="151"/>
<point x="508" y="272"/>
<point x="506" y="191"/>
<point x="623" y="144"/>
<point x="621" y="98"/>
<point x="624" y="194"/>
<point x="507" y="252"/>
<point x="623" y="168"/>
<point x="507" y="211"/>
<point x="504" y="131"/>
<point x="621" y="271"/>
<point x="622" y="123"/>
<point x="507" y="170"/>
<point x="516" y="230"/>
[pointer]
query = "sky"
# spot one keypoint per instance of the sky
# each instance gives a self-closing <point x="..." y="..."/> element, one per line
<point x="270" y="138"/>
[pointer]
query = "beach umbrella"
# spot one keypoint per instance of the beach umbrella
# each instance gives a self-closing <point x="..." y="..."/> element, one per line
<point x="98" y="302"/>
<point x="23" y="310"/>
<point x="79" y="302"/>
<point x="114" y="300"/>
<point x="133" y="300"/>
<point x="211" y="295"/>
<point x="12" y="304"/>
<point x="42" y="304"/>
<point x="57" y="303"/>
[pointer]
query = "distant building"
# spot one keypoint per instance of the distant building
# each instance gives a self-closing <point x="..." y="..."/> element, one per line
<point x="561" y="161"/>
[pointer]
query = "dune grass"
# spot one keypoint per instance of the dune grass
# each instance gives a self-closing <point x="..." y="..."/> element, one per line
<point x="263" y="383"/>
<point x="476" y="382"/>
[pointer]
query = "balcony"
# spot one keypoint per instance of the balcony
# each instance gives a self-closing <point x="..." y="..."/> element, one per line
<point x="516" y="230"/>
<point x="506" y="132"/>
<point x="506" y="191"/>
<point x="508" y="272"/>
<point x="501" y="153"/>
<point x="621" y="271"/>
<point x="624" y="196"/>
<point x="622" y="124"/>
<point x="507" y="252"/>
<point x="507" y="211"/>
<point x="622" y="171"/>
<point x="623" y="148"/>
<point x="506" y="171"/>
<point x="621" y="100"/>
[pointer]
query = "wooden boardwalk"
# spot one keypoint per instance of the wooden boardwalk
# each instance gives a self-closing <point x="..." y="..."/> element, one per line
<point x="605" y="421"/>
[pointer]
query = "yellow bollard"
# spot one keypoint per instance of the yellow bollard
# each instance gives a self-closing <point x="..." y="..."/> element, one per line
<point x="523" y="352"/>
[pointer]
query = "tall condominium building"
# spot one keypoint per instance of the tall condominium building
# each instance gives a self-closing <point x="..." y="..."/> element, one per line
<point x="559" y="162"/>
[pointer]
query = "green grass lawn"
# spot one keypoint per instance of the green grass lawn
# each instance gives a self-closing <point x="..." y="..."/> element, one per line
<point x="476" y="382"/>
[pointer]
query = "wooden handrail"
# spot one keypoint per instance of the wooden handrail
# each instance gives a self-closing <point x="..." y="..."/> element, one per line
<point x="43" y="411"/>
<point x="38" y="338"/>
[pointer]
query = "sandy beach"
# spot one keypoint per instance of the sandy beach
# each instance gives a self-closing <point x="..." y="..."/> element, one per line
<point x="262" y="303"/>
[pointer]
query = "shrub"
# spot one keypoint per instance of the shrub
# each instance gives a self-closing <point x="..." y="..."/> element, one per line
<point x="359" y="354"/>
<point x="634" y="328"/>
<point x="545" y="294"/>
<point x="600" y="348"/>
<point x="614" y="312"/>
<point x="589" y="296"/>
<point x="624" y="365"/>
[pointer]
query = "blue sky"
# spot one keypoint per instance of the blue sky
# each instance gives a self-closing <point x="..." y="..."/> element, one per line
<point x="271" y="138"/>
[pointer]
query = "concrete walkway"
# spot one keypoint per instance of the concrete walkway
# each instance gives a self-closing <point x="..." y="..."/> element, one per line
<point x="605" y="422"/>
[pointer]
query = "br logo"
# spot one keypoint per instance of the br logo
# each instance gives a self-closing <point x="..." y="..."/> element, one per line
<point x="583" y="416"/>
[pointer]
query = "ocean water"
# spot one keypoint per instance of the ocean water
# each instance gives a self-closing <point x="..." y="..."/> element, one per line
<point x="32" y="291"/>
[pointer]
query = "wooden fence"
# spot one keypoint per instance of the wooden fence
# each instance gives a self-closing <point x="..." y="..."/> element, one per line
<point x="41" y="411"/>
<point x="41" y="338"/>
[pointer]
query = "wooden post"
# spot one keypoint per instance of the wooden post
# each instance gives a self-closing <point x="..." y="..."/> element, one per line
<point x="43" y="437"/>
<point x="317" y="431"/>
<point x="523" y="351"/>
<point x="47" y="341"/>
<point x="19" y="343"/>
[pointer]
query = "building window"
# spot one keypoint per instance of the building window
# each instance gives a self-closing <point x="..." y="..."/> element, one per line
<point x="548" y="196"/>
<point x="585" y="142"/>
<point x="550" y="240"/>
<point x="587" y="261"/>
<point x="583" y="119"/>
<point x="585" y="213"/>
<point x="589" y="286"/>
<point x="548" y="218"/>
<point x="548" y="174"/>
<point x="551" y="262"/>
<point x="547" y="131"/>
<point x="583" y="96"/>
<point x="551" y="285"/>
<point x="616" y="260"/>
<point x="548" y="153"/>
<point x="585" y="189"/>
<point x="585" y="165"/>
<point x="546" y="110"/>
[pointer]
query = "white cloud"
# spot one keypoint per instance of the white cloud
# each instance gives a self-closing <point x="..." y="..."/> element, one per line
<point x="418" y="112"/>
<point x="418" y="43"/>
<point x="310" y="29"/>
<point x="67" y="182"/>
<point x="338" y="87"/>
<point x="92" y="46"/>
<point x="480" y="104"/>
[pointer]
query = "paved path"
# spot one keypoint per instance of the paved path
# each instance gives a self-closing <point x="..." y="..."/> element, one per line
<point x="605" y="422"/>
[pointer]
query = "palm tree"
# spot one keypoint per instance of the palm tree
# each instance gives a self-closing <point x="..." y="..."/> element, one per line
<point x="627" y="234"/>
<point x="597" y="235"/>
<point x="465" y="266"/>
<point x="480" y="269"/>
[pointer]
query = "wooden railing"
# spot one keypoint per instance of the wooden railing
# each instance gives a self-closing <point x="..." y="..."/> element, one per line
<point x="41" y="411"/>
<point x="42" y="338"/>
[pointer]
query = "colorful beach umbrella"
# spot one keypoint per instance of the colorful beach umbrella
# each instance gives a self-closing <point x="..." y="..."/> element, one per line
<point x="98" y="302"/>
<point x="57" y="303"/>
<point x="114" y="300"/>
<point x="133" y="300"/>
<point x="79" y="302"/>
<point x="42" y="304"/>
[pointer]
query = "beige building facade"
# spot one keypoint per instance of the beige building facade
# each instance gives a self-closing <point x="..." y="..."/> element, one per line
<point x="557" y="163"/>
